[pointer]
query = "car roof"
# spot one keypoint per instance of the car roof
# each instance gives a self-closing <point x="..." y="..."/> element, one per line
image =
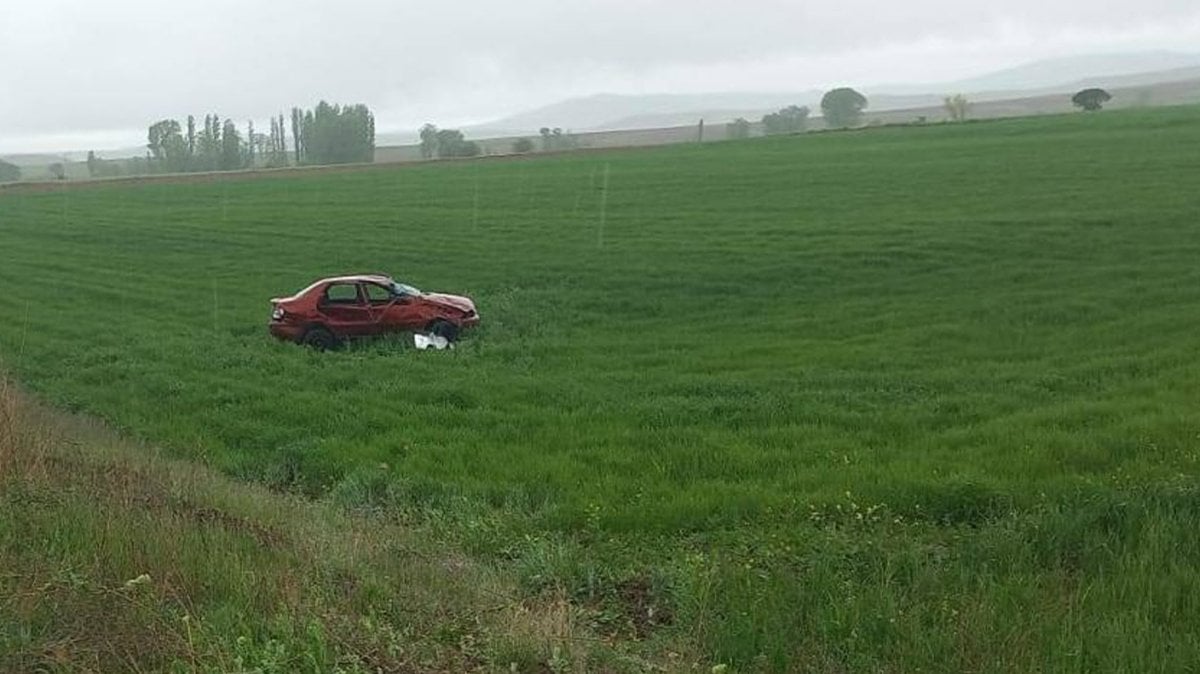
<point x="359" y="278"/>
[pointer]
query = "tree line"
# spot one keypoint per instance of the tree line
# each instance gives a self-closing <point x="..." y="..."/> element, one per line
<point x="843" y="108"/>
<point x="445" y="143"/>
<point x="334" y="134"/>
<point x="326" y="134"/>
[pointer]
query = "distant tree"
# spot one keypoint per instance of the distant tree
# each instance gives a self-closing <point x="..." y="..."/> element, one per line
<point x="451" y="143"/>
<point x="1091" y="99"/>
<point x="191" y="137"/>
<point x="167" y="146"/>
<point x="429" y="141"/>
<point x="231" y="147"/>
<point x="957" y="107"/>
<point x="297" y="144"/>
<point x="93" y="164"/>
<point x="208" y="146"/>
<point x="275" y="151"/>
<point x="843" y="108"/>
<point x="157" y="137"/>
<point x="273" y="144"/>
<point x="522" y="146"/>
<point x="738" y="128"/>
<point x="251" y="139"/>
<point x="58" y="170"/>
<point x="282" y="143"/>
<point x="556" y="139"/>
<point x="448" y="140"/>
<point x="792" y="119"/>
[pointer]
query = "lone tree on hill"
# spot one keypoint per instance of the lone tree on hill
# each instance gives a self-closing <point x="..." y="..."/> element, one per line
<point x="1091" y="99"/>
<point x="843" y="108"/>
<point x="792" y="119"/>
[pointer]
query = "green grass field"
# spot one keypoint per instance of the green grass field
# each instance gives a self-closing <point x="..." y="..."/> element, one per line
<point x="899" y="399"/>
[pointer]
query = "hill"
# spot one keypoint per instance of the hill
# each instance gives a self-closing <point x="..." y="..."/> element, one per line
<point x="1143" y="67"/>
<point x="33" y="160"/>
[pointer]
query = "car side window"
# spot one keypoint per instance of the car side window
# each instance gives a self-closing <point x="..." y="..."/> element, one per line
<point x="377" y="294"/>
<point x="342" y="293"/>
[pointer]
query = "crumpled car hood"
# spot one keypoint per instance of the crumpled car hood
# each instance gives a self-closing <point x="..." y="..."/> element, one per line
<point x="452" y="301"/>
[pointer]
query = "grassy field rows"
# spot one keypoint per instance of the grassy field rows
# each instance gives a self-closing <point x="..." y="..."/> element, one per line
<point x="887" y="400"/>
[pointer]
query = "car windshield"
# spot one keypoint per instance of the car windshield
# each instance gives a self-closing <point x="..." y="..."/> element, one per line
<point x="404" y="289"/>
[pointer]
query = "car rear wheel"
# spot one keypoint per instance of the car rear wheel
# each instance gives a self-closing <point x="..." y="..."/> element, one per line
<point x="319" y="338"/>
<point x="444" y="329"/>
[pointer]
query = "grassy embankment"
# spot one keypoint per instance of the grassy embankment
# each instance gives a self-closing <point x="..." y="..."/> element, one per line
<point x="114" y="558"/>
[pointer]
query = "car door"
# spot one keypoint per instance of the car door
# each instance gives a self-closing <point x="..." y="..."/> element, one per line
<point x="392" y="312"/>
<point x="344" y="309"/>
<point x="379" y="304"/>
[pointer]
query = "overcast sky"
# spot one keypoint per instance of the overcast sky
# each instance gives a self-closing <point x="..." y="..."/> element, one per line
<point x="76" y="74"/>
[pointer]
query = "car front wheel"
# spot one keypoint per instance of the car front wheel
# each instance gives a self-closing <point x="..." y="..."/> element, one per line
<point x="444" y="329"/>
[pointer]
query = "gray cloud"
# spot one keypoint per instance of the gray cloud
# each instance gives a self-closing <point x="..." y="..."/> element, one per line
<point x="85" y="67"/>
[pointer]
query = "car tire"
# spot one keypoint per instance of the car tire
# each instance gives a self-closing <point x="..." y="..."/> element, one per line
<point x="319" y="338"/>
<point x="444" y="329"/>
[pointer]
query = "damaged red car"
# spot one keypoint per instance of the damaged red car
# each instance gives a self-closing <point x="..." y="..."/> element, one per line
<point x="334" y="310"/>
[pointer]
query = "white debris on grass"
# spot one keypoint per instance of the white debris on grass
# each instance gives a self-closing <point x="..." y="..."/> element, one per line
<point x="431" y="342"/>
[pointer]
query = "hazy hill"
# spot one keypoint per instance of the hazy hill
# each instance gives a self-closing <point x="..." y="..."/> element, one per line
<point x="30" y="160"/>
<point x="614" y="111"/>
<point x="1055" y="72"/>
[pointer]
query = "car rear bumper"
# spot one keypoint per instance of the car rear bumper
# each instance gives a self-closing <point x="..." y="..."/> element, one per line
<point x="288" y="331"/>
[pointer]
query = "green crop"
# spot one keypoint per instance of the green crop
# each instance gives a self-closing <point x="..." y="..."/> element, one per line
<point x="977" y="342"/>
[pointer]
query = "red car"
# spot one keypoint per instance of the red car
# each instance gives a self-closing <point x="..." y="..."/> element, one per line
<point x="333" y="310"/>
